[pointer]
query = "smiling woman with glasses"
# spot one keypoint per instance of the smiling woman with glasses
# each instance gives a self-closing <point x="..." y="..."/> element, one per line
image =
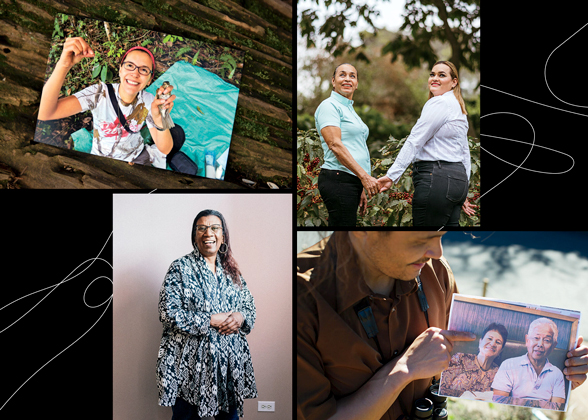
<point x="204" y="365"/>
<point x="120" y="110"/>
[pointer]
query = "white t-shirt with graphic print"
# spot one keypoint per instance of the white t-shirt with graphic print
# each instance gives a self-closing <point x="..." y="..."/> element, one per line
<point x="110" y="139"/>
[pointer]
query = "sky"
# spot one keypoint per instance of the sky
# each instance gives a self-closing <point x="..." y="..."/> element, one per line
<point x="390" y="15"/>
<point x="390" y="18"/>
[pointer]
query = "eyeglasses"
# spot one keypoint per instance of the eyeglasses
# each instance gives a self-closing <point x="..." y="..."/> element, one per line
<point x="144" y="71"/>
<point x="203" y="228"/>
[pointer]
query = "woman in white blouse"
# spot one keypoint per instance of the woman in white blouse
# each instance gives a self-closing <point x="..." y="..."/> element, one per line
<point x="438" y="149"/>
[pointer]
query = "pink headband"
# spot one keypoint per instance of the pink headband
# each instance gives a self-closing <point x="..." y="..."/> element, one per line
<point x="142" y="49"/>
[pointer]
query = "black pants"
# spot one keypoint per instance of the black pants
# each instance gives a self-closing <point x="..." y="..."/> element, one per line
<point x="340" y="192"/>
<point x="183" y="410"/>
<point x="440" y="189"/>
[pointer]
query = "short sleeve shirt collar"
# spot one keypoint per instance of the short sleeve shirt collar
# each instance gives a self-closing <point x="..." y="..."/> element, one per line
<point x="341" y="99"/>
<point x="525" y="361"/>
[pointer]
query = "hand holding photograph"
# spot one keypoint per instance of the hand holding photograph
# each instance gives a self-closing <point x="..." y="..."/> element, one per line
<point x="519" y="356"/>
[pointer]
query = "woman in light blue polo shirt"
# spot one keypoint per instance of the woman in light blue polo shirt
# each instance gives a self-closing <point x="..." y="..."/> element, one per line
<point x="346" y="170"/>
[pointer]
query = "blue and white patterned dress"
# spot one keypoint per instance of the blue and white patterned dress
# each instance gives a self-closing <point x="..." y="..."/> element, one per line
<point x="208" y="370"/>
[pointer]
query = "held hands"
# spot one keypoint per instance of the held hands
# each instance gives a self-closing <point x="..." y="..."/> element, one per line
<point x="577" y="364"/>
<point x="74" y="50"/>
<point x="384" y="183"/>
<point x="430" y="353"/>
<point x="370" y="184"/>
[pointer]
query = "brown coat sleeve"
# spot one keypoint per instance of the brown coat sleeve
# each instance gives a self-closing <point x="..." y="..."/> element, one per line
<point x="314" y="398"/>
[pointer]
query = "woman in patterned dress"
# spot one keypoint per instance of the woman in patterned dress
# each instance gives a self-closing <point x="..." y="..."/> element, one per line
<point x="204" y="365"/>
<point x="471" y="372"/>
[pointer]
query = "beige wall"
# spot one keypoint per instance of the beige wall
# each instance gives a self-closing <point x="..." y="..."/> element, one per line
<point x="150" y="231"/>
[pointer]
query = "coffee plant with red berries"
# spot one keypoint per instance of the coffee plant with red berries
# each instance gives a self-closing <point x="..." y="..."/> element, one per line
<point x="310" y="209"/>
<point x="389" y="208"/>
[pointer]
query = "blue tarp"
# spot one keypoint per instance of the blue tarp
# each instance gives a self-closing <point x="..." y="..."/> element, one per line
<point x="82" y="140"/>
<point x="205" y="107"/>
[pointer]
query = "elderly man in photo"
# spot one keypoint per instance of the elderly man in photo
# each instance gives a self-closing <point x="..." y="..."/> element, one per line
<point x="531" y="376"/>
<point x="372" y="314"/>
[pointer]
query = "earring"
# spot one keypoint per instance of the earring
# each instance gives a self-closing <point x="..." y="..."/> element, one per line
<point x="221" y="247"/>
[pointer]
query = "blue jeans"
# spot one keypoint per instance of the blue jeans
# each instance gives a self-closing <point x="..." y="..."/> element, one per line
<point x="440" y="189"/>
<point x="183" y="410"/>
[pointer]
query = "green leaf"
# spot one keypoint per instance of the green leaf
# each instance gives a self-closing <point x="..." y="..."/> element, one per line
<point x="406" y="217"/>
<point x="391" y="220"/>
<point x="305" y="201"/>
<point x="103" y="73"/>
<point x="183" y="51"/>
<point x="195" y="60"/>
<point x="298" y="200"/>
<point x="96" y="71"/>
<point x="146" y="42"/>
<point x="386" y="162"/>
<point x="166" y="39"/>
<point x="407" y="183"/>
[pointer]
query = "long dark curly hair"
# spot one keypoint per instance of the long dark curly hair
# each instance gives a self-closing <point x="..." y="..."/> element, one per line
<point x="227" y="261"/>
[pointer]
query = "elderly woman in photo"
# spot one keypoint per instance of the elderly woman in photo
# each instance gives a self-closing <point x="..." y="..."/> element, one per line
<point x="346" y="170"/>
<point x="471" y="372"/>
<point x="204" y="365"/>
<point x="531" y="376"/>
<point x="438" y="149"/>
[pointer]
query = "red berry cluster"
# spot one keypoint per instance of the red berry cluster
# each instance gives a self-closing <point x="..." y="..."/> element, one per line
<point x="401" y="196"/>
<point x="476" y="192"/>
<point x="312" y="172"/>
<point x="301" y="191"/>
<point x="312" y="165"/>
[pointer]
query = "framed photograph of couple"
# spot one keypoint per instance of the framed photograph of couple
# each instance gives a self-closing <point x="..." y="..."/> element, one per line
<point x="518" y="357"/>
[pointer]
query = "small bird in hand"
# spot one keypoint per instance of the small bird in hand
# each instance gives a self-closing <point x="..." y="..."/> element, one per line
<point x="165" y="115"/>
